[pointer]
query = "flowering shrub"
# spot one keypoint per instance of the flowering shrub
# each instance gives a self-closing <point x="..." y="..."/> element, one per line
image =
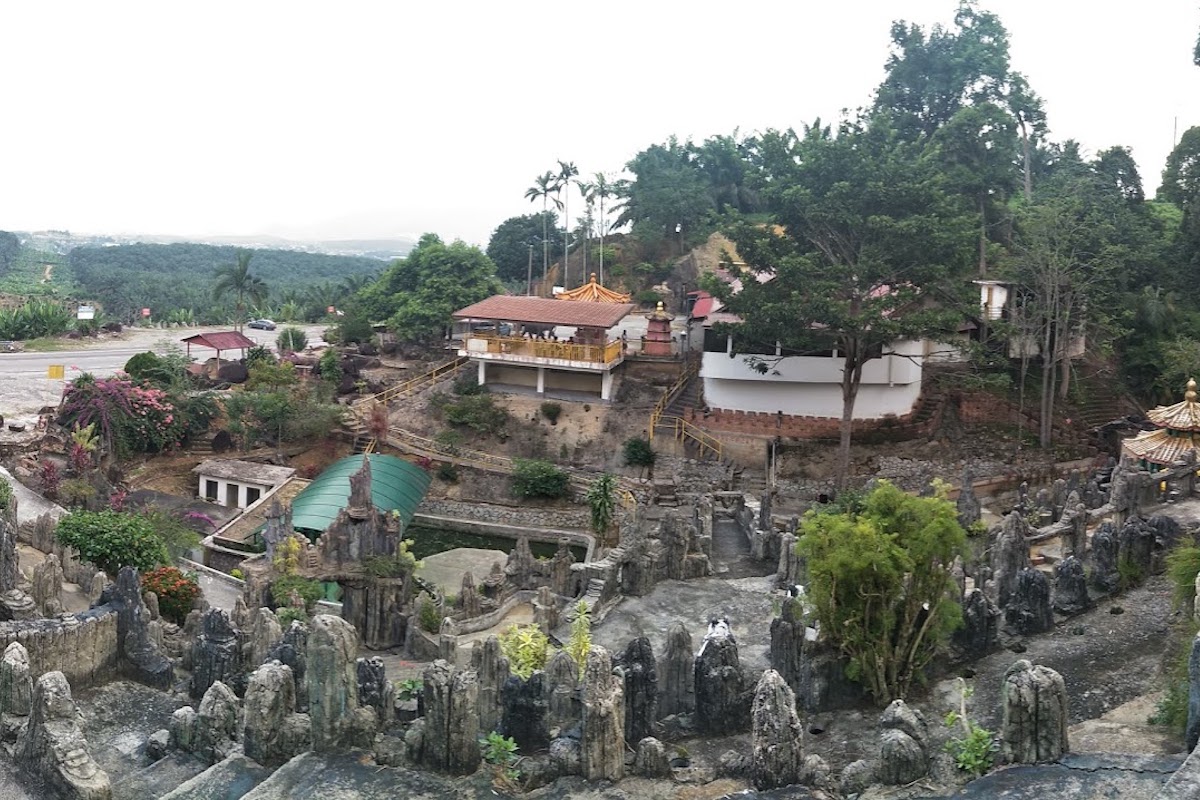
<point x="128" y="415"/>
<point x="49" y="477"/>
<point x="176" y="591"/>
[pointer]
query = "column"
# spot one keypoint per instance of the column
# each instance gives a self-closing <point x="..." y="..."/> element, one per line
<point x="482" y="372"/>
<point x="606" y="380"/>
<point x="541" y="380"/>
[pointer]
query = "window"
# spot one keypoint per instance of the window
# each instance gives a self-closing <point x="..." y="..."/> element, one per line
<point x="210" y="491"/>
<point x="252" y="495"/>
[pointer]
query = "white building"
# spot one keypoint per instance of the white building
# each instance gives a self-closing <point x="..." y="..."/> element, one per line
<point x="238" y="484"/>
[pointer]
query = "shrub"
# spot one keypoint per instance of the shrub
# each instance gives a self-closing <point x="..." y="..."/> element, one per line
<point x="49" y="477"/>
<point x="409" y="688"/>
<point x="354" y="329"/>
<point x="6" y="494"/>
<point x="532" y="478"/>
<point x="602" y="502"/>
<point x="259" y="354"/>
<point x="176" y="590"/>
<point x="429" y="617"/>
<point x="467" y="385"/>
<point x="237" y="573"/>
<point x="290" y="614"/>
<point x="76" y="492"/>
<point x="291" y="340"/>
<point x="447" y="472"/>
<point x="397" y="566"/>
<point x="525" y="647"/>
<point x="111" y="540"/>
<point x="1183" y="564"/>
<point x="329" y="366"/>
<point x="477" y="412"/>
<point x="551" y="411"/>
<point x="580" y="642"/>
<point x="638" y="452"/>
<point x="307" y="589"/>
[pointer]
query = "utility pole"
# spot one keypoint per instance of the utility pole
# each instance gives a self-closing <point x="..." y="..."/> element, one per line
<point x="529" y="275"/>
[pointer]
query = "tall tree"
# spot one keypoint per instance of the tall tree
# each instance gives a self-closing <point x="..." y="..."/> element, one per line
<point x="869" y="250"/>
<point x="508" y="247"/>
<point x="668" y="194"/>
<point x="603" y="191"/>
<point x="566" y="171"/>
<point x="544" y="186"/>
<point x="236" y="279"/>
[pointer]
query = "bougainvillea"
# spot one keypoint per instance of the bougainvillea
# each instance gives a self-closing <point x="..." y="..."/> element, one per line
<point x="129" y="416"/>
<point x="176" y="591"/>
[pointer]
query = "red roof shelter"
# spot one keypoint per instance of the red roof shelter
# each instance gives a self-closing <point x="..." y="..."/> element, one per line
<point x="221" y="340"/>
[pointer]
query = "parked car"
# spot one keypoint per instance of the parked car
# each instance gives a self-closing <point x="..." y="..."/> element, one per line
<point x="261" y="324"/>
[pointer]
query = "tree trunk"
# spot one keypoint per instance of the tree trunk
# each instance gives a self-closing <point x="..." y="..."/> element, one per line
<point x="851" y="377"/>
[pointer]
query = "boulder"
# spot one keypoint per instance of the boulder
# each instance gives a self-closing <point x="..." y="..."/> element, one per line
<point x="1035" y="714"/>
<point x="1106" y="576"/>
<point x="602" y="743"/>
<point x="651" y="760"/>
<point x="270" y="701"/>
<point x="776" y="736"/>
<point x="1070" y="587"/>
<point x="54" y="747"/>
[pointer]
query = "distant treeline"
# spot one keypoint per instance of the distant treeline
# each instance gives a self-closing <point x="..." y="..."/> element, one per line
<point x="10" y="247"/>
<point x="169" y="278"/>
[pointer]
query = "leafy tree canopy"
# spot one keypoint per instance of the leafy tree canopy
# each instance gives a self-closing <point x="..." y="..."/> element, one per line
<point x="112" y="539"/>
<point x="509" y="246"/>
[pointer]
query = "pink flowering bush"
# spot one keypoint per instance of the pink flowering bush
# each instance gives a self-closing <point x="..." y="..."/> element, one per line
<point x="129" y="416"/>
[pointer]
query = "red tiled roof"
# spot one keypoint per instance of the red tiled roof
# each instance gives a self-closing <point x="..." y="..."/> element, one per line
<point x="222" y="340"/>
<point x="509" y="308"/>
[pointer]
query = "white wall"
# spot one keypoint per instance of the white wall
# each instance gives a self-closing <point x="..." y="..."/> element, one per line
<point x="811" y="385"/>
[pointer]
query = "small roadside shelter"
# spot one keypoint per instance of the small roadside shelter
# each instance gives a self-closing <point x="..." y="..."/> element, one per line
<point x="220" y="340"/>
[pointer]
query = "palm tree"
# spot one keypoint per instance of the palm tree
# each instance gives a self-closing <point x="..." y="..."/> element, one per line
<point x="545" y="185"/>
<point x="602" y="190"/>
<point x="236" y="278"/>
<point x="566" y="171"/>
<point x="588" y="191"/>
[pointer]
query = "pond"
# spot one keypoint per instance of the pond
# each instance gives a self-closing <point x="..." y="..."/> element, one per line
<point x="427" y="541"/>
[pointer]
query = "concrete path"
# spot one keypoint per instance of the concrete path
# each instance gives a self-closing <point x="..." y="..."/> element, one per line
<point x="30" y="504"/>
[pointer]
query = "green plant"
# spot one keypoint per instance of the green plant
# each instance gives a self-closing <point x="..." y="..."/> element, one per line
<point x="525" y="647"/>
<point x="289" y="614"/>
<point x="176" y="591"/>
<point x="6" y="494"/>
<point x="397" y="566"/>
<point x="259" y="354"/>
<point x="478" y="412"/>
<point x="449" y="438"/>
<point x="429" y="616"/>
<point x="501" y="752"/>
<point x="467" y="385"/>
<point x="580" y="642"/>
<point x="237" y="573"/>
<point x="638" y="452"/>
<point x="1172" y="709"/>
<point x="287" y="556"/>
<point x="291" y="340"/>
<point x="76" y="492"/>
<point x="1131" y="573"/>
<point x="329" y="366"/>
<point x="447" y="472"/>
<point x="551" y="411"/>
<point x="602" y="502"/>
<point x="286" y="588"/>
<point x="975" y="750"/>
<point x="112" y="539"/>
<point x="1183" y="565"/>
<point x="409" y="688"/>
<point x="533" y="478"/>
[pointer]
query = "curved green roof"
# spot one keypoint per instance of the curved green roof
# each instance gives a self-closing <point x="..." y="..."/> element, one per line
<point x="396" y="485"/>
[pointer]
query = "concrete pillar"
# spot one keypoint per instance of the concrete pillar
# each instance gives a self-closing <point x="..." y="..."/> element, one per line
<point x="541" y="380"/>
<point x="606" y="381"/>
<point x="482" y="372"/>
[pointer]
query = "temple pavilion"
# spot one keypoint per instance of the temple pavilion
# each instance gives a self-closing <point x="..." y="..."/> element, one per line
<point x="565" y="343"/>
<point x="1177" y="434"/>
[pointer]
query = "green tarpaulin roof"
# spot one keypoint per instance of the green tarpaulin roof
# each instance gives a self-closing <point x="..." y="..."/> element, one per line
<point x="396" y="485"/>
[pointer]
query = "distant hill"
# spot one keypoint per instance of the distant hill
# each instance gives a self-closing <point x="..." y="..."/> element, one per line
<point x="169" y="277"/>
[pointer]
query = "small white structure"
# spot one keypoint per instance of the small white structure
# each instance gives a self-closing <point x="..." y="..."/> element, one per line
<point x="238" y="484"/>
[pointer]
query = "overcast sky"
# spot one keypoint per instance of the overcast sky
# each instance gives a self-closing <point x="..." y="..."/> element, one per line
<point x="349" y="119"/>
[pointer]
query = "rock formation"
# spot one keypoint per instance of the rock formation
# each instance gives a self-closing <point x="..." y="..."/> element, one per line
<point x="139" y="655"/>
<point x="272" y="732"/>
<point x="374" y="689"/>
<point x="16" y="691"/>
<point x="1035" y="714"/>
<point x="651" y="760"/>
<point x="602" y="743"/>
<point x="776" y="736"/>
<point x="1192" y="734"/>
<point x="331" y="680"/>
<point x="54" y="748"/>
<point x="216" y="653"/>
<point x="1135" y="546"/>
<point x="449" y="740"/>
<point x="1070" y="587"/>
<point x="980" y="630"/>
<point x="1028" y="610"/>
<point x="1105" y="575"/>
<point x="721" y="708"/>
<point x="265" y="633"/>
<point x="492" y="671"/>
<point x="524" y="712"/>
<point x="1010" y="555"/>
<point x="967" y="505"/>
<point x="218" y="723"/>
<point x="903" y="746"/>
<point x="10" y="560"/>
<point x="563" y="707"/>
<point x="641" y="689"/>
<point x="677" y="674"/>
<point x="292" y="652"/>
<point x="46" y="585"/>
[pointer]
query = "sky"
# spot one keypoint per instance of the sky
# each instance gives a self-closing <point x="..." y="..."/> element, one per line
<point x="354" y="119"/>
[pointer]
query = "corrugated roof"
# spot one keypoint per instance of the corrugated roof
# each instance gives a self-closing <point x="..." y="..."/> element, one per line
<point x="396" y="485"/>
<point x="545" y="311"/>
<point x="1183" y="416"/>
<point x="222" y="340"/>
<point x="593" y="292"/>
<point x="1161" y="446"/>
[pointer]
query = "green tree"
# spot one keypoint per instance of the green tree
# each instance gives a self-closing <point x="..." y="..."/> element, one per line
<point x="419" y="294"/>
<point x="544" y="186"/>
<point x="566" y="171"/>
<point x="112" y="539"/>
<point x="237" y="280"/>
<point x="602" y="502"/>
<point x="668" y="196"/>
<point x="1181" y="175"/>
<point x="880" y="580"/>
<point x="533" y="478"/>
<point x="508" y="248"/>
<point x="871" y="252"/>
<point x="291" y="340"/>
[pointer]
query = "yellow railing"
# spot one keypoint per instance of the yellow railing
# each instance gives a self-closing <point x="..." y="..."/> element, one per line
<point x="681" y="429"/>
<point x="689" y="372"/>
<point x="597" y="353"/>
<point x="401" y="390"/>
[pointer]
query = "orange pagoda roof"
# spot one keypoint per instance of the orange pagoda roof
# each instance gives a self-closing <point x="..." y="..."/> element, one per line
<point x="1176" y="435"/>
<point x="1183" y="416"/>
<point x="593" y="292"/>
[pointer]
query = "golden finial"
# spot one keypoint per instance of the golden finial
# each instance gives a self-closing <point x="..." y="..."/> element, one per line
<point x="593" y="277"/>
<point x="1190" y="394"/>
<point x="660" y="308"/>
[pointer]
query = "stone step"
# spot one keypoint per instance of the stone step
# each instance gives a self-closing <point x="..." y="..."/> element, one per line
<point x="226" y="780"/>
<point x="157" y="778"/>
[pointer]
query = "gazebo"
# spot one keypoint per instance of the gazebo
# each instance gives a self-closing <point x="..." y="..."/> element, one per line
<point x="593" y="292"/>
<point x="1177" y="434"/>
<point x="221" y="340"/>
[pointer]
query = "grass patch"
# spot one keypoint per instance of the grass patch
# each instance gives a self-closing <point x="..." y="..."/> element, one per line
<point x="50" y="345"/>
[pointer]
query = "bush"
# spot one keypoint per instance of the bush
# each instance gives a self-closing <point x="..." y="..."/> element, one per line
<point x="329" y="366"/>
<point x="533" y="478"/>
<point x="76" y="492"/>
<point x="602" y="502"/>
<point x="176" y="590"/>
<point x="639" y="453"/>
<point x="525" y="647"/>
<point x="551" y="411"/>
<point x="397" y="566"/>
<point x="1183" y="564"/>
<point x="259" y="354"/>
<point x="447" y="472"/>
<point x="309" y="590"/>
<point x="429" y="617"/>
<point x="111" y="540"/>
<point x="477" y="412"/>
<point x="467" y="385"/>
<point x="354" y="329"/>
<point x="288" y="615"/>
<point x="6" y="494"/>
<point x="291" y="340"/>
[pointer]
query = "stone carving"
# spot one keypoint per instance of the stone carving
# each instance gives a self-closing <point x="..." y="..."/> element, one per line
<point x="1028" y="610"/>
<point x="677" y="685"/>
<point x="331" y="679"/>
<point x="491" y="669"/>
<point x="1070" y="587"/>
<point x="641" y="689"/>
<point x="265" y="633"/>
<point x="1010" y="555"/>
<point x="967" y="505"/>
<point x="450" y="737"/>
<point x="139" y="655"/>
<point x="563" y="708"/>
<point x="374" y="689"/>
<point x="721" y="708"/>
<point x="651" y="760"/>
<point x="1035" y="714"/>
<point x="602" y="744"/>
<point x="216" y="653"/>
<point x="980" y="630"/>
<point x="292" y="652"/>
<point x="1105" y="575"/>
<point x="273" y="732"/>
<point x="54" y="747"/>
<point x="524" y="711"/>
<point x="776" y="737"/>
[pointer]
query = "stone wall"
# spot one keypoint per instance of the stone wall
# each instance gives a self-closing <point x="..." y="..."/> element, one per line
<point x="802" y="427"/>
<point x="81" y="646"/>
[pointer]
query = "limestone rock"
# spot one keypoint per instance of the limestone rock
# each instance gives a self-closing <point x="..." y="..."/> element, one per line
<point x="492" y="670"/>
<point x="967" y="505"/>
<point x="158" y="744"/>
<point x="903" y="717"/>
<point x="218" y="723"/>
<point x="641" y="689"/>
<point x="856" y="777"/>
<point x="46" y="585"/>
<point x="1105" y="575"/>
<point x="1035" y="714"/>
<point x="1010" y="555"/>
<point x="265" y="633"/>
<point x="563" y="707"/>
<point x="566" y="756"/>
<point x="331" y="679"/>
<point x="451" y="729"/>
<point x="980" y="630"/>
<point x="1135" y="546"/>
<point x="16" y="605"/>
<point x="651" y="760"/>
<point x="182" y="729"/>
<point x="292" y="652"/>
<point x="815" y="772"/>
<point x="10" y="560"/>
<point x="1070" y="587"/>
<point x="360" y="734"/>
<point x="1028" y="610"/>
<point x="677" y="674"/>
<point x="901" y="759"/>
<point x="16" y="683"/>
<point x="216" y="653"/>
<point x="776" y="737"/>
<point x="602" y="746"/>
<point x="524" y="712"/>
<point x="721" y="707"/>
<point x="140" y="657"/>
<point x="270" y="700"/>
<point x="468" y="600"/>
<point x="54" y="747"/>
<point x="374" y="689"/>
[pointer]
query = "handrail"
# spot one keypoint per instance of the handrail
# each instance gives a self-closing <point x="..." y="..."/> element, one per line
<point x="594" y="353"/>
<point x="682" y="429"/>
<point x="691" y="371"/>
<point x="403" y="389"/>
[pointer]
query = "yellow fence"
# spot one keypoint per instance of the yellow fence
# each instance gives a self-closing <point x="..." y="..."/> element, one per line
<point x="682" y="430"/>
<point x="546" y="348"/>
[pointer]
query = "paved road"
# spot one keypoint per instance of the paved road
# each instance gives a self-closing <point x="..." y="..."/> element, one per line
<point x="24" y="387"/>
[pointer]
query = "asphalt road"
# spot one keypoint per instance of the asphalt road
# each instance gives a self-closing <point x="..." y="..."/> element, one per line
<point x="24" y="387"/>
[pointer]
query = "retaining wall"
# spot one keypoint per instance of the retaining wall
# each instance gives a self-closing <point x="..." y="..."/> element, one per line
<point x="81" y="646"/>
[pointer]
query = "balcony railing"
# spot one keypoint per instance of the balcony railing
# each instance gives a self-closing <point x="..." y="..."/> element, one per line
<point x="606" y="353"/>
